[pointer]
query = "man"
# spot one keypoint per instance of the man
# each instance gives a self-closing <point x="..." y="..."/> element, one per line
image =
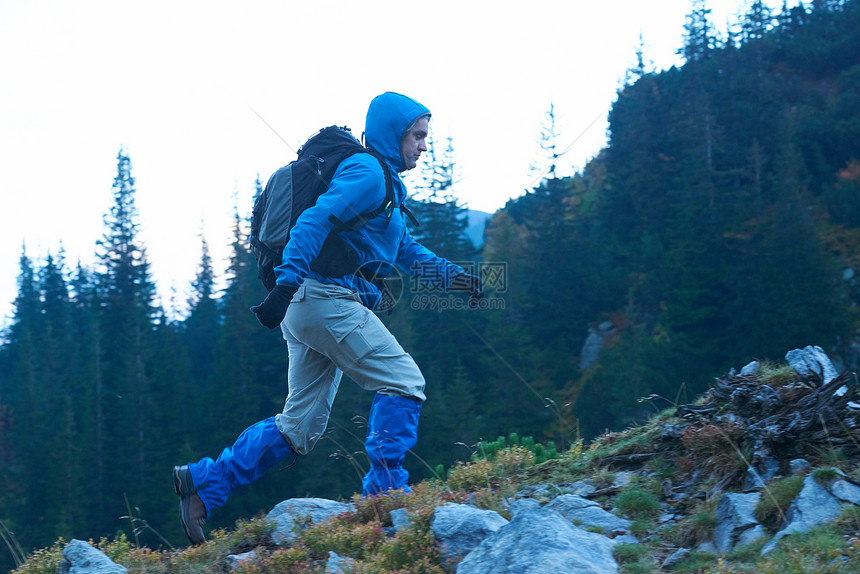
<point x="330" y="328"/>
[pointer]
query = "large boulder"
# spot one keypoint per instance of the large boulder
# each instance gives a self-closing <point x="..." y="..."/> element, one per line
<point x="288" y="513"/>
<point x="539" y="541"/>
<point x="79" y="557"/>
<point x="845" y="491"/>
<point x="736" y="523"/>
<point x="581" y="511"/>
<point x="812" y="361"/>
<point x="812" y="507"/>
<point x="459" y="528"/>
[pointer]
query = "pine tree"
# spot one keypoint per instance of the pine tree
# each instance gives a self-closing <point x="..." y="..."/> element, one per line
<point x="443" y="231"/>
<point x="21" y="396"/>
<point x="59" y="472"/>
<point x="443" y="218"/>
<point x="757" y="21"/>
<point x="127" y="316"/>
<point x="641" y="68"/>
<point x="89" y="392"/>
<point x="172" y="423"/>
<point x="203" y="321"/>
<point x="700" y="40"/>
<point x="549" y="145"/>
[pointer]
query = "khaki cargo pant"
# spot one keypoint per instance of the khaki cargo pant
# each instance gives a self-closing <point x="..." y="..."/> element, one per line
<point x="330" y="332"/>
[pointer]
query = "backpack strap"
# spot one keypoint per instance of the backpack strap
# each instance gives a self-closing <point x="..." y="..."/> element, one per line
<point x="410" y="215"/>
<point x="265" y="249"/>
<point x="388" y="203"/>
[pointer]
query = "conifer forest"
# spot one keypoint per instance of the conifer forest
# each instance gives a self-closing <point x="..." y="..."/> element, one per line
<point x="720" y="224"/>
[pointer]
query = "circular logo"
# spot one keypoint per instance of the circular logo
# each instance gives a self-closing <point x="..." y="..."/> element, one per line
<point x="391" y="287"/>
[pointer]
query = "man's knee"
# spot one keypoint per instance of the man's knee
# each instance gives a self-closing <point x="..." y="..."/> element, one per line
<point x="300" y="441"/>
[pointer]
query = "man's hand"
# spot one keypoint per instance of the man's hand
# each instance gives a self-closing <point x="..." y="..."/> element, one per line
<point x="271" y="312"/>
<point x="470" y="284"/>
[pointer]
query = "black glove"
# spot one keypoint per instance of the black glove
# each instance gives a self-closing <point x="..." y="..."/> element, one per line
<point x="470" y="284"/>
<point x="271" y="312"/>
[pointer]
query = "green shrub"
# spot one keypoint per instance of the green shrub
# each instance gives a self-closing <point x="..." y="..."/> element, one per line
<point x="776" y="376"/>
<point x="488" y="473"/>
<point x="825" y="476"/>
<point x="287" y="561"/>
<point x="636" y="502"/>
<point x="44" y="561"/>
<point x="412" y="550"/>
<point x="821" y="550"/>
<point x="634" y="559"/>
<point x="489" y="449"/>
<point x="775" y="500"/>
<point x="699" y="527"/>
<point x="353" y="540"/>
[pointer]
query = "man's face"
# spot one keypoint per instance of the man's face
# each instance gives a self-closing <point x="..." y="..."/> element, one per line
<point x="414" y="142"/>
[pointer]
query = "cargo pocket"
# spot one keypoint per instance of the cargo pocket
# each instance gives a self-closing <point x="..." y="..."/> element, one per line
<point x="355" y="337"/>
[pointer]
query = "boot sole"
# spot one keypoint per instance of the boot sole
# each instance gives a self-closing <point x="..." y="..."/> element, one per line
<point x="197" y="538"/>
<point x="184" y="504"/>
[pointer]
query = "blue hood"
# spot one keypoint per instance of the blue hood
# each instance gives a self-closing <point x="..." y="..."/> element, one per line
<point x="388" y="117"/>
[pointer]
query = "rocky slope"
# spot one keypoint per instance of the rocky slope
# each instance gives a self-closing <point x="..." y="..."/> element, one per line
<point x="758" y="475"/>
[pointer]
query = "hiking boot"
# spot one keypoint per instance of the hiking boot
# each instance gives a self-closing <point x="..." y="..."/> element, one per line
<point x="192" y="511"/>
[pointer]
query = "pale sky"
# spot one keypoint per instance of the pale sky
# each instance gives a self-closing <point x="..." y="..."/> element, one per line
<point x="183" y="86"/>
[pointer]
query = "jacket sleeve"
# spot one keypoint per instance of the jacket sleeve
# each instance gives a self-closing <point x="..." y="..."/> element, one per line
<point x="358" y="186"/>
<point x="418" y="261"/>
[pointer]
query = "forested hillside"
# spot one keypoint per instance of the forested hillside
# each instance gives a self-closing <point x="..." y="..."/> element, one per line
<point x="721" y="224"/>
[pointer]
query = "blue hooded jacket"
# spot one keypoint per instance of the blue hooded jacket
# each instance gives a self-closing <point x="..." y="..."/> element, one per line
<point x="358" y="187"/>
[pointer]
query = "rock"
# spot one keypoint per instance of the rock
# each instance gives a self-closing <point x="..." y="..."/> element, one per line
<point x="548" y="491"/>
<point x="539" y="541"/>
<point x="80" y="557"/>
<point x="471" y="499"/>
<point x="845" y="491"/>
<point x="672" y="560"/>
<point x="337" y="564"/>
<point x="580" y="488"/>
<point x="582" y="511"/>
<point x="623" y="478"/>
<point x="459" y="528"/>
<point x="799" y="465"/>
<point x="812" y="507"/>
<point x="568" y="502"/>
<point x="749" y="369"/>
<point x="762" y="471"/>
<point x="812" y="360"/>
<point x="594" y="344"/>
<point x="749" y="536"/>
<point x="399" y="519"/>
<point x="736" y="523"/>
<point x="537" y="491"/>
<point x="286" y="513"/>
<point x="235" y="560"/>
<point x="624" y="539"/>
<point x="672" y="433"/>
<point x="707" y="547"/>
<point x="523" y="504"/>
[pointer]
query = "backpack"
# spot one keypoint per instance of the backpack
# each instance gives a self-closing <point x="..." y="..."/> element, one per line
<point x="294" y="188"/>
